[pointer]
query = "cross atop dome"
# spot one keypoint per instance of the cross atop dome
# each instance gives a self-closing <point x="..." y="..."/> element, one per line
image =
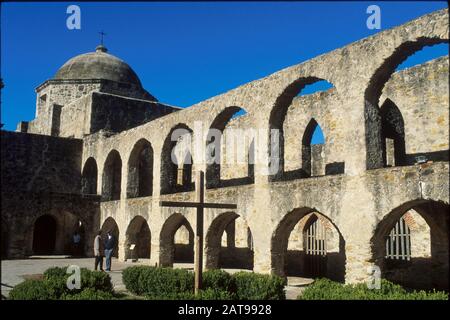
<point x="101" y="47"/>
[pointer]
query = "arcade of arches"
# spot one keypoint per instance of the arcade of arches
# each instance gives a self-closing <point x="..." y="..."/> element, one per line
<point x="373" y="192"/>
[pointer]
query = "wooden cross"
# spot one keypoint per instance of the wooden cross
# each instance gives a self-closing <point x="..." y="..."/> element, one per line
<point x="200" y="204"/>
<point x="102" y="34"/>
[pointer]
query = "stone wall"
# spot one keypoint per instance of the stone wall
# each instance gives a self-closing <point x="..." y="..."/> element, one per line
<point x="116" y="113"/>
<point x="32" y="162"/>
<point x="356" y="194"/>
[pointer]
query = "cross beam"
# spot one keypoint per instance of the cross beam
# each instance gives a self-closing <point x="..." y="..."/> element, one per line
<point x="199" y="205"/>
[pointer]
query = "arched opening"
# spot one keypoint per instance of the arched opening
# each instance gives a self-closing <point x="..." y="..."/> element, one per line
<point x="176" y="241"/>
<point x="112" y="177"/>
<point x="44" y="235"/>
<point x="229" y="243"/>
<point x="184" y="244"/>
<point x="307" y="244"/>
<point x="410" y="245"/>
<point x="138" y="239"/>
<point x="302" y="86"/>
<point x="374" y="134"/>
<point x="89" y="177"/>
<point x="236" y="143"/>
<point x="140" y="170"/>
<point x="392" y="135"/>
<point x="111" y="226"/>
<point x="312" y="147"/>
<point x="176" y="161"/>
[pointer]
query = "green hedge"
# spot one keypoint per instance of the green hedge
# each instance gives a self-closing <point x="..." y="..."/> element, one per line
<point x="94" y="285"/>
<point x="218" y="280"/>
<point x="31" y="290"/>
<point x="89" y="294"/>
<point x="324" y="289"/>
<point x="174" y="284"/>
<point x="158" y="283"/>
<point x="254" y="286"/>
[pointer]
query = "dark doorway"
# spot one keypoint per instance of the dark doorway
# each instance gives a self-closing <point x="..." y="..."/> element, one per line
<point x="44" y="236"/>
<point x="315" y="248"/>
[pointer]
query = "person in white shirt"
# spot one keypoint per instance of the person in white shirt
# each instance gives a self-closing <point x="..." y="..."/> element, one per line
<point x="97" y="251"/>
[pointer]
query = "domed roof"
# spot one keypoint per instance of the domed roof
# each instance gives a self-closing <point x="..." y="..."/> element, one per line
<point x="97" y="65"/>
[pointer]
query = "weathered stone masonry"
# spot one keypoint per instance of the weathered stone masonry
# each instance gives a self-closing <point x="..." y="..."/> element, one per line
<point x="356" y="185"/>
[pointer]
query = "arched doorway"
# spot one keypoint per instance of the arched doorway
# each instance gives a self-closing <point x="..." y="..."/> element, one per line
<point x="229" y="243"/>
<point x="89" y="177"/>
<point x="227" y="151"/>
<point x="176" y="161"/>
<point x="110" y="225"/>
<point x="176" y="241"/>
<point x="315" y="248"/>
<point x="387" y="125"/>
<point x="44" y="235"/>
<point x="306" y="243"/>
<point x="312" y="164"/>
<point x="277" y="121"/>
<point x="140" y="170"/>
<point x="410" y="245"/>
<point x="112" y="177"/>
<point x="138" y="234"/>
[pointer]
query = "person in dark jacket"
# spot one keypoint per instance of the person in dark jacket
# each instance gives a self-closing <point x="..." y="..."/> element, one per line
<point x="110" y="243"/>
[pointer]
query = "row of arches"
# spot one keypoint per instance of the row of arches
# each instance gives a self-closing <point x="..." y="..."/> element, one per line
<point x="228" y="242"/>
<point x="384" y="136"/>
<point x="410" y="244"/>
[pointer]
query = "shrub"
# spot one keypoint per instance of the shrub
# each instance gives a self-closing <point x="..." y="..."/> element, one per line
<point x="324" y="289"/>
<point x="253" y="286"/>
<point x="89" y="294"/>
<point x="214" y="294"/>
<point x="54" y="286"/>
<point x="173" y="284"/>
<point x="217" y="279"/>
<point x="159" y="283"/>
<point x="31" y="290"/>
<point x="130" y="277"/>
<point x="96" y="280"/>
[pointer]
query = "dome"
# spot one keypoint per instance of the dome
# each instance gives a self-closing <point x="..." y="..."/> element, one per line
<point x="98" y="65"/>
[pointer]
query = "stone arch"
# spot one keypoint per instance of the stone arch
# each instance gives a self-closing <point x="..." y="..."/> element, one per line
<point x="112" y="177"/>
<point x="276" y="119"/>
<point x="110" y="225"/>
<point x="311" y="153"/>
<point x="418" y="272"/>
<point x="168" y="249"/>
<point x="44" y="235"/>
<point x="392" y="135"/>
<point x="89" y="177"/>
<point x="140" y="170"/>
<point x="236" y="254"/>
<point x="289" y="260"/>
<point x="138" y="233"/>
<point x="175" y="156"/>
<point x="60" y="233"/>
<point x="372" y="94"/>
<point x="214" y="145"/>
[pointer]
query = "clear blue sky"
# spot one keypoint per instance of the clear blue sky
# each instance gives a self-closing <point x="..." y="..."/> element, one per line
<point x="182" y="52"/>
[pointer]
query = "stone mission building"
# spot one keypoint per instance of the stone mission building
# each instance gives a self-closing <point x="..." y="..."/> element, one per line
<point x="374" y="193"/>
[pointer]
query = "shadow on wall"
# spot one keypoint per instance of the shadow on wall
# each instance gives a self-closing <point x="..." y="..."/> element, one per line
<point x="400" y="254"/>
<point x="307" y="244"/>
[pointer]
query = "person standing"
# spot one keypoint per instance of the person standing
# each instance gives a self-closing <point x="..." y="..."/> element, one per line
<point x="76" y="244"/>
<point x="97" y="250"/>
<point x="110" y="244"/>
